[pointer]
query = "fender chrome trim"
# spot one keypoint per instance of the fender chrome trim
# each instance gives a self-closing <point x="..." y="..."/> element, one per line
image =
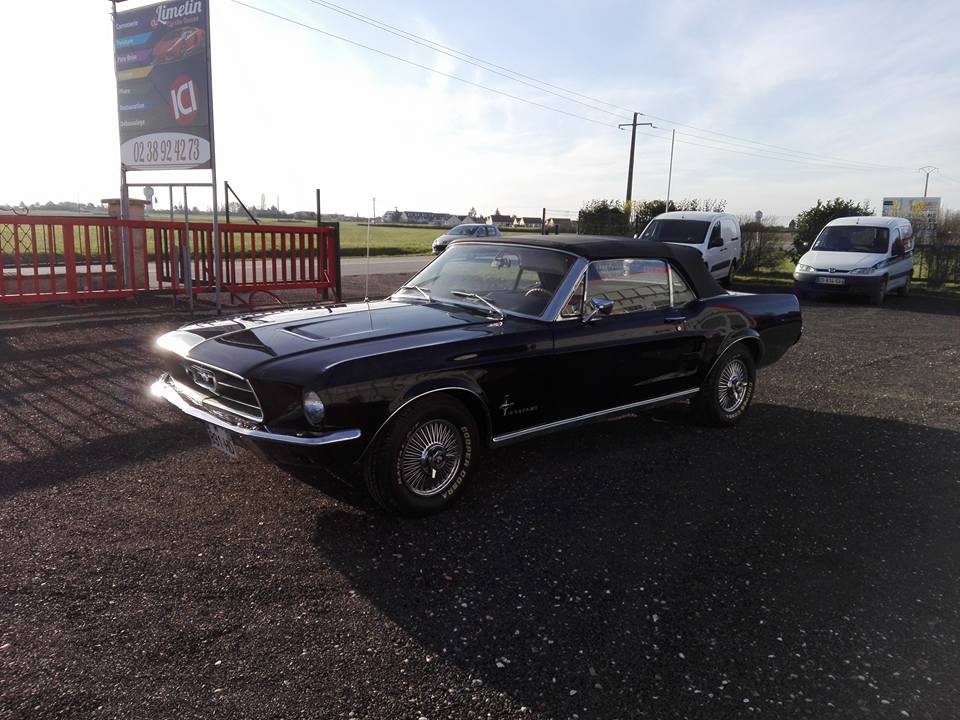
<point x="445" y="388"/>
<point x="719" y="357"/>
<point x="164" y="388"/>
<point x="589" y="417"/>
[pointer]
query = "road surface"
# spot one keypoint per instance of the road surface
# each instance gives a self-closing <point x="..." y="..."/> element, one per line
<point x="353" y="266"/>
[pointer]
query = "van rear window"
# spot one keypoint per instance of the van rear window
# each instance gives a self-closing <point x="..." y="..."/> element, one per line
<point x="690" y="232"/>
<point x="853" y="238"/>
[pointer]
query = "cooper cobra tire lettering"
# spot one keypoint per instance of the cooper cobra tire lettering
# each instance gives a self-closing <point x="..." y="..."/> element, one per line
<point x="446" y="426"/>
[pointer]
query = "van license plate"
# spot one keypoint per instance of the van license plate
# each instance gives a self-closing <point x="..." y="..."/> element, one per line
<point x="831" y="281"/>
<point x="222" y="440"/>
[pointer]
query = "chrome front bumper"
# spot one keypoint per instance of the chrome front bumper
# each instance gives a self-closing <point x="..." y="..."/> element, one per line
<point x="166" y="388"/>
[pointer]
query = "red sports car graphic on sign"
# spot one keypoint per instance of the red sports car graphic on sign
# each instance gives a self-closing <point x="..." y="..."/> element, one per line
<point x="179" y="44"/>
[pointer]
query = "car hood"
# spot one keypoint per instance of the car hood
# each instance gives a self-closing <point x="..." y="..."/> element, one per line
<point x="698" y="248"/>
<point x="241" y="344"/>
<point x="840" y="260"/>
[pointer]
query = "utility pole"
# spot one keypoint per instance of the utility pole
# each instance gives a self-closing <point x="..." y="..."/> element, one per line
<point x="633" y="143"/>
<point x="927" y="169"/>
<point x="673" y="136"/>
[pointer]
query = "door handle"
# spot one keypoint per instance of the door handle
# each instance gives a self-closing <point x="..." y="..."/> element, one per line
<point x="677" y="321"/>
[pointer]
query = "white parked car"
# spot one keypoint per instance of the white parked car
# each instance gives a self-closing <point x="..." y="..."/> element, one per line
<point x="715" y="235"/>
<point x="858" y="256"/>
<point x="467" y="230"/>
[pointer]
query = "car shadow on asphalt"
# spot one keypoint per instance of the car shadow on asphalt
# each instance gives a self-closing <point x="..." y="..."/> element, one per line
<point x="927" y="304"/>
<point x="650" y="567"/>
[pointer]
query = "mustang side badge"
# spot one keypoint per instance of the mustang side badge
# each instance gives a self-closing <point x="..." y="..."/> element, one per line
<point x="507" y="407"/>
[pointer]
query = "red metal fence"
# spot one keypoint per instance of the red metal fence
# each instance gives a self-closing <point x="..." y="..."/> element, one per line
<point x="68" y="258"/>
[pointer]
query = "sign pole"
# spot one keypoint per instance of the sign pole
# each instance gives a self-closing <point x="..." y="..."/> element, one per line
<point x="213" y="172"/>
<point x="124" y="191"/>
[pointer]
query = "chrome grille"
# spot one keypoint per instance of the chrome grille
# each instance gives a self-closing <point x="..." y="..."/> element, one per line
<point x="223" y="390"/>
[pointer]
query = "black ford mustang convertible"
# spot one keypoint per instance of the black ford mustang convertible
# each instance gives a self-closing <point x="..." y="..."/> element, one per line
<point x="491" y="343"/>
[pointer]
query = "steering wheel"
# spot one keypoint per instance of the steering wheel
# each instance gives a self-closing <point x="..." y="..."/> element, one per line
<point x="538" y="291"/>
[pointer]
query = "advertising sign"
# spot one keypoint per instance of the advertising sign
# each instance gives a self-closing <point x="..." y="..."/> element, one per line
<point x="163" y="98"/>
<point x="922" y="213"/>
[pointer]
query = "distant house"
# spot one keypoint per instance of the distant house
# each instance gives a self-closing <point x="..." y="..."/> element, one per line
<point x="528" y="222"/>
<point x="563" y="225"/>
<point x="453" y="220"/>
<point x="499" y="220"/>
<point x="417" y="217"/>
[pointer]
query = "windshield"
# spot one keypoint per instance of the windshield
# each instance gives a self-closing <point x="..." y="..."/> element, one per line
<point x="465" y="230"/>
<point x="852" y="238"/>
<point x="514" y="279"/>
<point x="690" y="232"/>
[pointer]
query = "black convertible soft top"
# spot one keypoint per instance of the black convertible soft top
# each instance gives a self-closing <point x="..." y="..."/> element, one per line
<point x="602" y="247"/>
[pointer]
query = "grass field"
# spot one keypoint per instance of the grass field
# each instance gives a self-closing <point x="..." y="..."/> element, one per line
<point x="384" y="240"/>
<point x="353" y="237"/>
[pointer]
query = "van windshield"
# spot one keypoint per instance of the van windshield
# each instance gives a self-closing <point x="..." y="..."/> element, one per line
<point x="853" y="238"/>
<point x="689" y="232"/>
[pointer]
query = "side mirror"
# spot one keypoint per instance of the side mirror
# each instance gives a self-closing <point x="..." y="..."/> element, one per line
<point x="599" y="305"/>
<point x="715" y="241"/>
<point x="897" y="248"/>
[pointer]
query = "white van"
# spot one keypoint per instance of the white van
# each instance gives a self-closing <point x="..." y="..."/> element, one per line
<point x="715" y="235"/>
<point x="858" y="256"/>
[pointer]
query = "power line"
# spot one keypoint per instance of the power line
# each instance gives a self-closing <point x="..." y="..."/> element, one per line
<point x="811" y="163"/>
<point x="762" y="154"/>
<point x="419" y="65"/>
<point x="456" y="54"/>
<point x="792" y="154"/>
<point x="778" y="147"/>
<point x="409" y="35"/>
<point x="487" y="65"/>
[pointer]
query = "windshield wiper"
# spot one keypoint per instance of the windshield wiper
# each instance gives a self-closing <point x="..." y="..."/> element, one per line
<point x="419" y="289"/>
<point x="481" y="298"/>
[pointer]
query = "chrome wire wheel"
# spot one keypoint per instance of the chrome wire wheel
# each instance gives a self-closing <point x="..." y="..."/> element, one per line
<point x="431" y="457"/>
<point x="733" y="385"/>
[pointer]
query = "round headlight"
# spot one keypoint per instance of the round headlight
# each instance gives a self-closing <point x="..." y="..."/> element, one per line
<point x="313" y="408"/>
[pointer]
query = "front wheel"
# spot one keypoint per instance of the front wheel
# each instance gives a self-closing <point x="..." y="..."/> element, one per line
<point x="879" y="294"/>
<point x="728" y="390"/>
<point x="424" y="457"/>
<point x="904" y="290"/>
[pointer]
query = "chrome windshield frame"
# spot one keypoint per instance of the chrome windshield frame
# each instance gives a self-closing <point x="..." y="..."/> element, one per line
<point x="550" y="313"/>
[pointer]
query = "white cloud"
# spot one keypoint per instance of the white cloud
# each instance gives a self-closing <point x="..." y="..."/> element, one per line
<point x="296" y="110"/>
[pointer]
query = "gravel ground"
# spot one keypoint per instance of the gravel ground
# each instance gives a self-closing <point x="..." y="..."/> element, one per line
<point x="804" y="564"/>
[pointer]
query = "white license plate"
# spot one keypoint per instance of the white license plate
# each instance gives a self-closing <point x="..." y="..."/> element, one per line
<point x="831" y="281"/>
<point x="222" y="440"/>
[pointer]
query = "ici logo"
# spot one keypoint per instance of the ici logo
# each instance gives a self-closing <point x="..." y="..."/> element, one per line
<point x="183" y="100"/>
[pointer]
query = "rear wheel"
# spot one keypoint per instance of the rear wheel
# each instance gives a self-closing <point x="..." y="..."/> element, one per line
<point x="733" y="271"/>
<point x="420" y="463"/>
<point x="728" y="390"/>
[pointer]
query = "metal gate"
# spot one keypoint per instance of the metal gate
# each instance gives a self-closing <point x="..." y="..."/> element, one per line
<point x="72" y="259"/>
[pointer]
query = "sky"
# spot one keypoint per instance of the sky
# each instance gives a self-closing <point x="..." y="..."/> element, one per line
<point x="867" y="91"/>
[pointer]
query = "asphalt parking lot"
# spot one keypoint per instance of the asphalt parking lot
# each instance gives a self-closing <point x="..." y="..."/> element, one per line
<point x="805" y="564"/>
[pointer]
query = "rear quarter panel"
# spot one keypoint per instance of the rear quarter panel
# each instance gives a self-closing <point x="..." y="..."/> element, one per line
<point x="774" y="318"/>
